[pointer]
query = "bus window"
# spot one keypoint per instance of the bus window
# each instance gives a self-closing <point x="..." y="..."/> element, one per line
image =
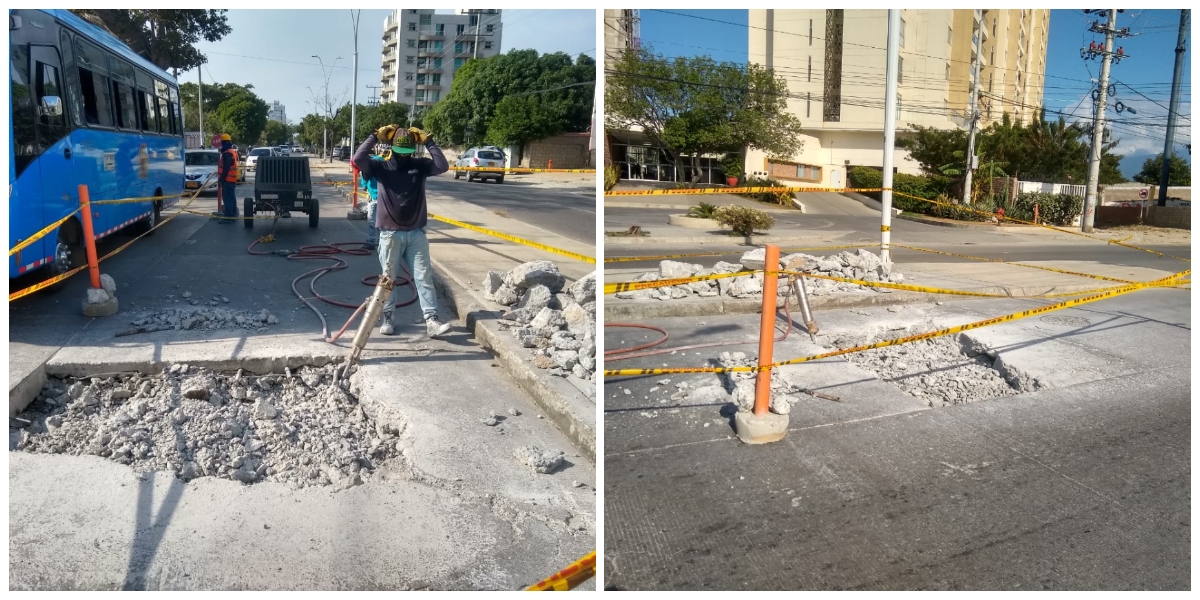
<point x="126" y="108"/>
<point x="71" y="100"/>
<point x="95" y="98"/>
<point x="23" y="119"/>
<point x="164" y="108"/>
<point x="149" y="112"/>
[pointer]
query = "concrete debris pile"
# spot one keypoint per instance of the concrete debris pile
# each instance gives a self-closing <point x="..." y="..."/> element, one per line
<point x="861" y="265"/>
<point x="741" y="384"/>
<point x="300" y="428"/>
<point x="941" y="371"/>
<point x="558" y="324"/>
<point x="204" y="319"/>
<point x="541" y="461"/>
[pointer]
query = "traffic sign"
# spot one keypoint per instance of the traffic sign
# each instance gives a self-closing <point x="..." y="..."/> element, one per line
<point x="1143" y="193"/>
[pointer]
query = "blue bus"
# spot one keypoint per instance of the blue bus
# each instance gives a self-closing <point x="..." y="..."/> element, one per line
<point x="85" y="109"/>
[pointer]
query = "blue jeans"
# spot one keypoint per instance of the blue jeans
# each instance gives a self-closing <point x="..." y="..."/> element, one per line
<point x="413" y="248"/>
<point x="372" y="233"/>
<point x="229" y="201"/>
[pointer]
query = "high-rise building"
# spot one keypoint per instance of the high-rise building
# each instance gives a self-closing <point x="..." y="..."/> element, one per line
<point x="621" y="32"/>
<point x="422" y="51"/>
<point x="277" y="112"/>
<point x="834" y="62"/>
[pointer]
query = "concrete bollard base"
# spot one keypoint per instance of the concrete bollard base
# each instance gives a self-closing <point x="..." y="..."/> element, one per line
<point x="104" y="308"/>
<point x="356" y="215"/>
<point x="753" y="429"/>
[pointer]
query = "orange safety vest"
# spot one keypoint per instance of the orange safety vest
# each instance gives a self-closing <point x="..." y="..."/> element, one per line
<point x="232" y="175"/>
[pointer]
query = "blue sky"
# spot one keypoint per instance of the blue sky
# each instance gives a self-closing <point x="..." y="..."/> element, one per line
<point x="272" y="49"/>
<point x="1148" y="69"/>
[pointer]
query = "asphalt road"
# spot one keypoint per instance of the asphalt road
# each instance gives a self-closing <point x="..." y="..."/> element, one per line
<point x="569" y="212"/>
<point x="1085" y="486"/>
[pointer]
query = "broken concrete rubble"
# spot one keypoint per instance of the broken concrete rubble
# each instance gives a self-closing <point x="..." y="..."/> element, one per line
<point x="557" y="324"/>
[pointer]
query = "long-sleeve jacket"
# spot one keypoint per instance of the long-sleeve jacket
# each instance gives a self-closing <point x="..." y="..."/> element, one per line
<point x="400" y="183"/>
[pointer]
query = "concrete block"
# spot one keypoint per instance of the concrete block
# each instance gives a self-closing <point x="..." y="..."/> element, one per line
<point x="105" y="307"/>
<point x="753" y="429"/>
<point x="357" y="214"/>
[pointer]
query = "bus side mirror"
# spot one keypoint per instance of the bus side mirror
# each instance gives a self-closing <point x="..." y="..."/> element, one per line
<point x="51" y="106"/>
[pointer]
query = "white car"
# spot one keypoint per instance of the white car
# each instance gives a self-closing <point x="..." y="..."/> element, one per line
<point x="482" y="157"/>
<point x="252" y="158"/>
<point x="200" y="169"/>
<point x="284" y="150"/>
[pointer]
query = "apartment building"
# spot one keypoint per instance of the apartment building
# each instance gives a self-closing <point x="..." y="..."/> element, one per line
<point x="834" y="62"/>
<point x="277" y="112"/>
<point x="621" y="32"/>
<point x="422" y="50"/>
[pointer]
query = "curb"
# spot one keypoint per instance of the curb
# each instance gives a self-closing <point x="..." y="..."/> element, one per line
<point x="869" y="202"/>
<point x="21" y="394"/>
<point x="616" y="310"/>
<point x="570" y="411"/>
<point x="764" y="208"/>
<point x="963" y="225"/>
<point x="722" y="239"/>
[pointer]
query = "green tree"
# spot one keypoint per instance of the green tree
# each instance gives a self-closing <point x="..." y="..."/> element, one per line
<point x="1181" y="171"/>
<point x="691" y="106"/>
<point x="934" y="148"/>
<point x="515" y="98"/>
<point x="244" y="117"/>
<point x="214" y="96"/>
<point x="166" y="38"/>
<point x="374" y="117"/>
<point x="275" y="133"/>
<point x="311" y="129"/>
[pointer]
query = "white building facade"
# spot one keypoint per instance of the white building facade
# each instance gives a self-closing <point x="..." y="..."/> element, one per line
<point x="422" y="50"/>
<point x="277" y="112"/>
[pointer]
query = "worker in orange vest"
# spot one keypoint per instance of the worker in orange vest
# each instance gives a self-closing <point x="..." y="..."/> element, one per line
<point x="227" y="176"/>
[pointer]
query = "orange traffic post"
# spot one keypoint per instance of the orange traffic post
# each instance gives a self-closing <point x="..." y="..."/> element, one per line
<point x="354" y="196"/>
<point x="89" y="236"/>
<point x="550" y="164"/>
<point x="219" y="199"/>
<point x="766" y="334"/>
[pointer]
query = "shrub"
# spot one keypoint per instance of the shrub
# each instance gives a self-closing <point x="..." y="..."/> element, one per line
<point x="780" y="198"/>
<point x="1054" y="209"/>
<point x="611" y="177"/>
<point x="731" y="165"/>
<point x="913" y="185"/>
<point x="743" y="220"/>
<point x="703" y="210"/>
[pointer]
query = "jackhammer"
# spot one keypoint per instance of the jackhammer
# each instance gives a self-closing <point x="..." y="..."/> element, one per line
<point x="373" y="308"/>
<point x="801" y="292"/>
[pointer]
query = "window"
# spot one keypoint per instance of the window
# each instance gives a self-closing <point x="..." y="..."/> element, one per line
<point x="949" y="35"/>
<point x="426" y="19"/>
<point x="489" y="28"/>
<point x="408" y="76"/>
<point x="95" y="98"/>
<point x="994" y="26"/>
<point x="420" y="79"/>
<point x="992" y="56"/>
<point x="808" y="105"/>
<point x="410" y="43"/>
<point x="125" y="106"/>
<point x="459" y="29"/>
<point x="947" y="71"/>
<point x="989" y="84"/>
<point x="165" y="123"/>
<point x="810" y="69"/>
<point x="148" y="110"/>
<point x="436" y="79"/>
<point x="458" y="47"/>
<point x="487" y="45"/>
<point x="437" y="46"/>
<point x="71" y="101"/>
<point x="408" y="92"/>
<point x="791" y="170"/>
<point x="23" y="115"/>
<point x="440" y="29"/>
<point x="899" y="100"/>
<point x="437" y="63"/>
<point x="810" y="25"/>
<point x="412" y="26"/>
<point x="473" y="20"/>
<point x="902" y="26"/>
<point x="408" y="60"/>
<point x="458" y="63"/>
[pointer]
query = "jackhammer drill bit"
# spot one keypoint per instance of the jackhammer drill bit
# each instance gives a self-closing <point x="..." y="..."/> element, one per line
<point x="370" y="316"/>
<point x="802" y="294"/>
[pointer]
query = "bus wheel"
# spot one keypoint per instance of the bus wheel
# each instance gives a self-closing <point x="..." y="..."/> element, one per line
<point x="148" y="224"/>
<point x="69" y="253"/>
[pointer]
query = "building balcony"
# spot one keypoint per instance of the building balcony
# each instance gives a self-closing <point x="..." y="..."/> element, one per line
<point x="429" y="70"/>
<point x="464" y="54"/>
<point x="426" y="102"/>
<point x="429" y="86"/>
<point x="430" y="53"/>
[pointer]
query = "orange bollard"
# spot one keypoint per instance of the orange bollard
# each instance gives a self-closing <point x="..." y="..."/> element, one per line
<point x="89" y="236"/>
<point x="218" y="198"/>
<point x="1035" y="214"/>
<point x="766" y="335"/>
<point x="550" y="164"/>
<point x="354" y="197"/>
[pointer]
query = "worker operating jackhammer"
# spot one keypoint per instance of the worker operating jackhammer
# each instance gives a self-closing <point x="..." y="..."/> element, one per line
<point x="401" y="215"/>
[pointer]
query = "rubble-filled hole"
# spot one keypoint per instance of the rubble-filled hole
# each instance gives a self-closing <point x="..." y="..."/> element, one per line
<point x="941" y="371"/>
<point x="299" y="428"/>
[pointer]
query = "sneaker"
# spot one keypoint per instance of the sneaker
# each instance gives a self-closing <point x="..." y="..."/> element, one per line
<point x="386" y="328"/>
<point x="224" y="221"/>
<point x="434" y="327"/>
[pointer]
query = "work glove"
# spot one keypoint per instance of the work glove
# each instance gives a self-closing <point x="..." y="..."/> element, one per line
<point x="386" y="133"/>
<point x="418" y="135"/>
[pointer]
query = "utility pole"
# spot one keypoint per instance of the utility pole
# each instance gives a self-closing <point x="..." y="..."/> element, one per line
<point x="1180" y="48"/>
<point x="889" y="130"/>
<point x="1093" y="180"/>
<point x="475" y="46"/>
<point x="200" y="103"/>
<point x="374" y="101"/>
<point x="970" y="162"/>
<point x="354" y="79"/>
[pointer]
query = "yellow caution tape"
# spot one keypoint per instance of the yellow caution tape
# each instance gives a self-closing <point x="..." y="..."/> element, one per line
<point x="630" y="286"/>
<point x="37" y="236"/>
<point x="735" y="190"/>
<point x="617" y="259"/>
<point x="912" y="338"/>
<point x="513" y="238"/>
<point x="568" y="578"/>
<point x="49" y="282"/>
<point x="1052" y="228"/>
<point x="885" y="228"/>
<point x="521" y="170"/>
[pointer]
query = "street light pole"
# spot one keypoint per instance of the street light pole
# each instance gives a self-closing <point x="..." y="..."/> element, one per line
<point x="354" y="78"/>
<point x="891" y="78"/>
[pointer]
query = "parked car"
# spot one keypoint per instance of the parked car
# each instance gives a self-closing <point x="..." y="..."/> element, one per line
<point x="252" y="158"/>
<point x="284" y="150"/>
<point x="200" y="169"/>
<point x="482" y="157"/>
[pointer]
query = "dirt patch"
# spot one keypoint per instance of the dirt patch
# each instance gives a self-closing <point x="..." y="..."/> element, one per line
<point x="941" y="371"/>
<point x="1150" y="234"/>
<point x="299" y="428"/>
